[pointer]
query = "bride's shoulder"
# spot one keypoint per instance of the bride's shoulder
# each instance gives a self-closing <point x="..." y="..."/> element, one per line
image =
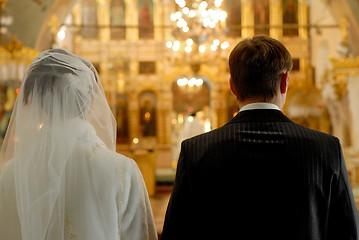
<point x="112" y="159"/>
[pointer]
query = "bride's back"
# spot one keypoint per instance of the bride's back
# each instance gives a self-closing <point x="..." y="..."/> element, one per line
<point x="66" y="181"/>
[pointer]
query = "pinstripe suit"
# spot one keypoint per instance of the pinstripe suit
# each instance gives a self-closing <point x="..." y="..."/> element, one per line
<point x="261" y="176"/>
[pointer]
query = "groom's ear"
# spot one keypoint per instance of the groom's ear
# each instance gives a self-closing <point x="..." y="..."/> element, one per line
<point x="284" y="82"/>
<point x="233" y="89"/>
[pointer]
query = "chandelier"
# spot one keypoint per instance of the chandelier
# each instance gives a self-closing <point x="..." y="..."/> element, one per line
<point x="199" y="24"/>
<point x="190" y="85"/>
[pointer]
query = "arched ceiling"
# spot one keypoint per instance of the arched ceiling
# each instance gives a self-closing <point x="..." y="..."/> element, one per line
<point x="31" y="18"/>
<point x="28" y="18"/>
<point x="350" y="10"/>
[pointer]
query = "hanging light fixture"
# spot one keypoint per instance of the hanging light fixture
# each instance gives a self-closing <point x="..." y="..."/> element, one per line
<point x="198" y="29"/>
<point x="198" y="23"/>
<point x="190" y="85"/>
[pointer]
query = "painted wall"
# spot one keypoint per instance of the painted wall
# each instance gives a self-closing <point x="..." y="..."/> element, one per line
<point x="28" y="18"/>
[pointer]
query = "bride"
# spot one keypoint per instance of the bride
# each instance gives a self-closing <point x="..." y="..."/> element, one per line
<point x="61" y="177"/>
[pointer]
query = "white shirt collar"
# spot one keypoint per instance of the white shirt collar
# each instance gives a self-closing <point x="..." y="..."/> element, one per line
<point x="259" y="105"/>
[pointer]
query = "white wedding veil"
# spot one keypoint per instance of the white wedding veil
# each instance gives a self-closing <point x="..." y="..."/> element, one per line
<point x="60" y="116"/>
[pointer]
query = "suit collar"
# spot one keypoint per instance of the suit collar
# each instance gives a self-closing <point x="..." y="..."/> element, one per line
<point x="259" y="105"/>
<point x="260" y="115"/>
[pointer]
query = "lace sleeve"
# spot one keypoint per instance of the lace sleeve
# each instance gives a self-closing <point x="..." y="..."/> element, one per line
<point x="69" y="234"/>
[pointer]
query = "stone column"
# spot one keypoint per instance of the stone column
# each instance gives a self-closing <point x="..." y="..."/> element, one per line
<point x="218" y="104"/>
<point x="131" y="19"/>
<point x="164" y="107"/>
<point x="247" y="18"/>
<point x="77" y="20"/>
<point x="158" y="19"/>
<point x="103" y="16"/>
<point x="303" y="19"/>
<point x="133" y="115"/>
<point x="343" y="109"/>
<point x="276" y="18"/>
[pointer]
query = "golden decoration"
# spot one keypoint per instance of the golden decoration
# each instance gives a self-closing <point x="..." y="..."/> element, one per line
<point x="345" y="62"/>
<point x="14" y="45"/>
<point x="339" y="83"/>
<point x="69" y="231"/>
<point x="343" y="68"/>
<point x="16" y="51"/>
<point x="3" y="3"/>
<point x="344" y="24"/>
<point x="54" y="24"/>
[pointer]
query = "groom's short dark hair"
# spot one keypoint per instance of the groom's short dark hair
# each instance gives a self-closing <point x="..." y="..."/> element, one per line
<point x="256" y="65"/>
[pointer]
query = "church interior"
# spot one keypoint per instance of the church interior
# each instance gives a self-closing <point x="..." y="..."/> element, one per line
<point x="164" y="67"/>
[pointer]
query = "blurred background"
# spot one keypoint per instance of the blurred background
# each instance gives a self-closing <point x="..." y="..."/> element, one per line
<point x="164" y="67"/>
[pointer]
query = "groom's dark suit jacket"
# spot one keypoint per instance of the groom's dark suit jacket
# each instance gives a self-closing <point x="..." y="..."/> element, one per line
<point x="261" y="176"/>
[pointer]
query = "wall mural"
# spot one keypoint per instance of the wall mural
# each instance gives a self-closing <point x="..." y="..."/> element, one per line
<point x="89" y="19"/>
<point x="148" y="103"/>
<point x="233" y="8"/>
<point x="145" y="20"/>
<point x="117" y="19"/>
<point x="261" y="17"/>
<point x="290" y="17"/>
<point x="122" y="118"/>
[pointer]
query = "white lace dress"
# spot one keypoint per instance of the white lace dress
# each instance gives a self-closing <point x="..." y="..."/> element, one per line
<point x="123" y="197"/>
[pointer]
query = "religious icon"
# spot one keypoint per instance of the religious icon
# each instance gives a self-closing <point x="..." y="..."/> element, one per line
<point x="89" y="19"/>
<point x="261" y="16"/>
<point x="147" y="67"/>
<point x="233" y="8"/>
<point x="148" y="114"/>
<point x="118" y="10"/>
<point x="145" y="8"/>
<point x="122" y="118"/>
<point x="290" y="17"/>
<point x="189" y="100"/>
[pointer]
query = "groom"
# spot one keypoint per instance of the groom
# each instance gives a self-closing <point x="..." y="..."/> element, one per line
<point x="261" y="176"/>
